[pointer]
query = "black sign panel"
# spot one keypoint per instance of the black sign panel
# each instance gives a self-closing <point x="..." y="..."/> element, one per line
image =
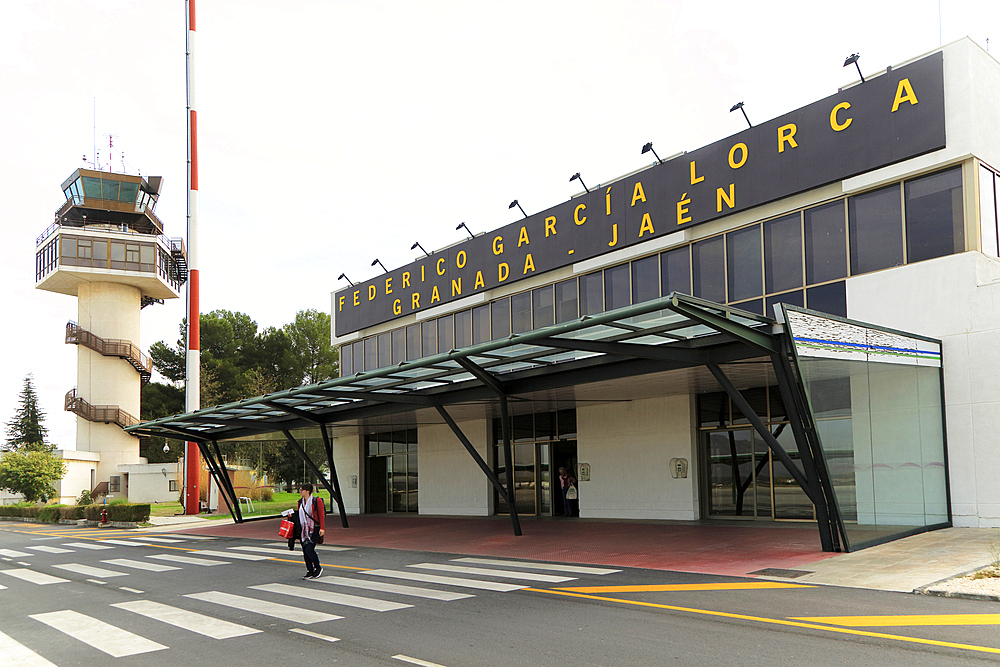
<point x="887" y="119"/>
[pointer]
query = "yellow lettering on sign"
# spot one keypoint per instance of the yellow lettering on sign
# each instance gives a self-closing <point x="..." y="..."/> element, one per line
<point x="406" y="279"/>
<point x="479" y="280"/>
<point x="647" y="225"/>
<point x="371" y="292"/>
<point x="440" y="269"/>
<point x="388" y="285"/>
<point x="742" y="147"/>
<point x="682" y="209"/>
<point x="528" y="264"/>
<point x="694" y="178"/>
<point x="550" y="224"/>
<point x="416" y="300"/>
<point x="460" y="259"/>
<point x="498" y="245"/>
<point x="523" y="238"/>
<point x="341" y="304"/>
<point x="786" y="133"/>
<point x="607" y="200"/>
<point x="503" y="271"/>
<point x="357" y="299"/>
<point x="638" y="194"/>
<point x="576" y="214"/>
<point x="836" y="124"/>
<point x="729" y="197"/>
<point x="456" y="287"/>
<point x="904" y="93"/>
<point x="435" y="295"/>
<point x="614" y="235"/>
<point x="422" y="273"/>
<point x="397" y="307"/>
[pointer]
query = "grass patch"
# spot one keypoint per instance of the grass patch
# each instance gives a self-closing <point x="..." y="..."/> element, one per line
<point x="281" y="501"/>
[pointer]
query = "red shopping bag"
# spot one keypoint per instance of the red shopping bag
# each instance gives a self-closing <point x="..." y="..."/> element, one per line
<point x="286" y="529"/>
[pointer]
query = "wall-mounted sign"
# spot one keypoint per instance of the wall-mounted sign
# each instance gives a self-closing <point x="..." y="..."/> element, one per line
<point x="887" y="119"/>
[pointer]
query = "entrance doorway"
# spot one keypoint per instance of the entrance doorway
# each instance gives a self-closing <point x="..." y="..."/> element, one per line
<point x="541" y="444"/>
<point x="391" y="472"/>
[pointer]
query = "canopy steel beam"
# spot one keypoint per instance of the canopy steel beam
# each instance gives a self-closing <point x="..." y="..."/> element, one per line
<point x="763" y="432"/>
<point x="495" y="385"/>
<point x="388" y="397"/>
<point x="507" y="496"/>
<point x="305" y="457"/>
<point x="630" y="350"/>
<point x="755" y="337"/>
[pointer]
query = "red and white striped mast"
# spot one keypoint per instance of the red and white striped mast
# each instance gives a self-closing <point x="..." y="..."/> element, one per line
<point x="192" y="383"/>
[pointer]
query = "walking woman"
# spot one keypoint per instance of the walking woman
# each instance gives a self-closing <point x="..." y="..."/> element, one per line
<point x="312" y="520"/>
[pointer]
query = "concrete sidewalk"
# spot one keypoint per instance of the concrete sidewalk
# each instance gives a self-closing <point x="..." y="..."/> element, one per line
<point x="774" y="550"/>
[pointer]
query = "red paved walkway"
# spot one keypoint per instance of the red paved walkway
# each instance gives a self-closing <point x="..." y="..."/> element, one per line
<point x="711" y="548"/>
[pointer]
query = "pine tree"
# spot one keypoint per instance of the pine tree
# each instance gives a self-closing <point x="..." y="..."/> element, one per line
<point x="25" y="432"/>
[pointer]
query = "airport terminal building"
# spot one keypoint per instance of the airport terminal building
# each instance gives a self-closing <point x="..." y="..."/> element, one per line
<point x="795" y="323"/>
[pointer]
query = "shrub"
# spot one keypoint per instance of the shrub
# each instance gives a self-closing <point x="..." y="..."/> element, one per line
<point x="84" y="498"/>
<point x="119" y="512"/>
<point x="49" y="514"/>
<point x="261" y="493"/>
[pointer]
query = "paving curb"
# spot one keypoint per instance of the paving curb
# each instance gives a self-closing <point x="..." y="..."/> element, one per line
<point x="963" y="596"/>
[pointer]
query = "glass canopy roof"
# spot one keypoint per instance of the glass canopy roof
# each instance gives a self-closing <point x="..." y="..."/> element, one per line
<point x="676" y="329"/>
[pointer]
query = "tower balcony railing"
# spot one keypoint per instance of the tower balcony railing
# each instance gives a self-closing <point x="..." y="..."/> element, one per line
<point x="109" y="414"/>
<point x="110" y="347"/>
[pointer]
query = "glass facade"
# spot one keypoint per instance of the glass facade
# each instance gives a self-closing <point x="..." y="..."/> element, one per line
<point x="541" y="443"/>
<point x="391" y="469"/>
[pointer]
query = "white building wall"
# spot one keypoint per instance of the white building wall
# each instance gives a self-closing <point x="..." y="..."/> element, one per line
<point x="150" y="482"/>
<point x="450" y="481"/>
<point x="629" y="447"/>
<point x="956" y="299"/>
<point x="78" y="474"/>
<point x="348" y="457"/>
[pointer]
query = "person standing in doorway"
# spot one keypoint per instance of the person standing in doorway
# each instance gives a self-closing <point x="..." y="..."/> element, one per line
<point x="567" y="481"/>
<point x="313" y="526"/>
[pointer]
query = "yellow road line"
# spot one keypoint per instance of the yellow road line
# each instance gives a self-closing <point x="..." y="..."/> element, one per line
<point x="904" y="621"/>
<point x="657" y="588"/>
<point x="776" y="621"/>
<point x="342" y="567"/>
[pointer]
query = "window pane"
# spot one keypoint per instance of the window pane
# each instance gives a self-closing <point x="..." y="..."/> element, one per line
<point x="646" y="279"/>
<point x="743" y="257"/>
<point x="542" y="307"/>
<point x="520" y="312"/>
<point x="100" y="250"/>
<point x="446" y="333"/>
<point x="875" y="226"/>
<point x="68" y="247"/>
<point x="358" y="352"/>
<point x="412" y="342"/>
<point x="371" y="353"/>
<point x="91" y="187"/>
<point x="346" y="361"/>
<point x="592" y="294"/>
<point x="618" y="290"/>
<point x="830" y="298"/>
<point x="117" y="252"/>
<point x="783" y="254"/>
<point x="988" y="212"/>
<point x="384" y="350"/>
<point x="708" y="269"/>
<point x="428" y="337"/>
<point x="109" y="190"/>
<point x="826" y="243"/>
<point x="796" y="298"/>
<point x="675" y="267"/>
<point x="754" y="306"/>
<point x="146" y="254"/>
<point x="935" y="226"/>
<point x="500" y="318"/>
<point x="480" y="324"/>
<point x="566" y="301"/>
<point x="398" y="346"/>
<point x="128" y="192"/>
<point x="463" y="329"/>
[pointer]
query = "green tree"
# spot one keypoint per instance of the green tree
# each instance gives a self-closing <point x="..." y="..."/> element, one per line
<point x="25" y="432"/>
<point x="160" y="400"/>
<point x="315" y="357"/>
<point x="31" y="473"/>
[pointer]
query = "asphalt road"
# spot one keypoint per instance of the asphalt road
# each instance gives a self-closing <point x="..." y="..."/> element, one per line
<point x="86" y="597"/>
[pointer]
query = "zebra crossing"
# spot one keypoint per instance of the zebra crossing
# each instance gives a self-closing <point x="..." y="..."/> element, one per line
<point x="329" y="598"/>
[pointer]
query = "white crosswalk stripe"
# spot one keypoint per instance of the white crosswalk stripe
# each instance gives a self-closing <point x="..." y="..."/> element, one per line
<point x="400" y="589"/>
<point x="10" y="553"/>
<point x="103" y="636"/>
<point x="158" y="540"/>
<point x="87" y="545"/>
<point x="274" y="551"/>
<point x="448" y="581"/>
<point x="50" y="550"/>
<point x="503" y="574"/>
<point x="126" y="543"/>
<point x="574" y="569"/>
<point x="89" y="571"/>
<point x="140" y="565"/>
<point x="229" y="554"/>
<point x="370" y="604"/>
<point x="175" y="558"/>
<point x="265" y="607"/>
<point x="16" y="654"/>
<point x="187" y="620"/>
<point x="316" y="635"/>
<point x="33" y="577"/>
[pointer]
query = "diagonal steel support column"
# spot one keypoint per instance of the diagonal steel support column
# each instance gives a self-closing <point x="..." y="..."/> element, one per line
<point x="762" y="431"/>
<point x="214" y="471"/>
<point x="227" y="483"/>
<point x="333" y="475"/>
<point x="508" y="496"/>
<point x="312" y="466"/>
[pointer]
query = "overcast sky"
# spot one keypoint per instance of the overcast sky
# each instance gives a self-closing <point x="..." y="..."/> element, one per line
<point x="332" y="133"/>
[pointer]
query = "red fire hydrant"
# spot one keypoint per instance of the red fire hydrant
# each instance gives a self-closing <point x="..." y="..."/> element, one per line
<point x="104" y="516"/>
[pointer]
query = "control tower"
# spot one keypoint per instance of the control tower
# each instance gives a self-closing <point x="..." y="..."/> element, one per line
<point x="107" y="249"/>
